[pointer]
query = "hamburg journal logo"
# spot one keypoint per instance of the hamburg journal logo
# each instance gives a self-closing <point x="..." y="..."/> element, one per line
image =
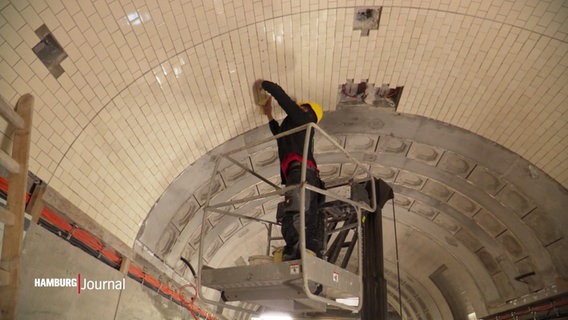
<point x="80" y="284"/>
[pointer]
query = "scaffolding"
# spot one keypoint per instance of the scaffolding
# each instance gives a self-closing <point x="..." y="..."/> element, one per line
<point x="310" y="284"/>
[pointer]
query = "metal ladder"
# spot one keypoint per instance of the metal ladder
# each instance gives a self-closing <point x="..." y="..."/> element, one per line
<point x="289" y="285"/>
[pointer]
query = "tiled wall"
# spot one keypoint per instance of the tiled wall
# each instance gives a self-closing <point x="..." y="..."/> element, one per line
<point x="150" y="86"/>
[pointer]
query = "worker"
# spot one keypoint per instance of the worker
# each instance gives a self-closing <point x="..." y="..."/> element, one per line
<point x="290" y="152"/>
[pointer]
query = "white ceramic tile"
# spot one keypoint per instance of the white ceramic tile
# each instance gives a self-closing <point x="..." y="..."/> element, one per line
<point x="308" y="47"/>
<point x="13" y="17"/>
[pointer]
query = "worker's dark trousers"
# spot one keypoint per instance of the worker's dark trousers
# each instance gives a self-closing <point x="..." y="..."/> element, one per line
<point x="291" y="218"/>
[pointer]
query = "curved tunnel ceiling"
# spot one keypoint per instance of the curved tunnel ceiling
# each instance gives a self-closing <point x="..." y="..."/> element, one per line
<point x="470" y="213"/>
<point x="151" y="89"/>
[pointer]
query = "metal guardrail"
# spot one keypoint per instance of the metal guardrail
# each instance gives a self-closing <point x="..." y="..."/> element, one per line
<point x="312" y="266"/>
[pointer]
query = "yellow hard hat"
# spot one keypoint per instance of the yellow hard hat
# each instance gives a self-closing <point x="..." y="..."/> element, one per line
<point x="318" y="110"/>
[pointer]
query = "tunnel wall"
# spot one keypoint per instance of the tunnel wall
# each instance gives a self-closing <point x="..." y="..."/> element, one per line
<point x="46" y="257"/>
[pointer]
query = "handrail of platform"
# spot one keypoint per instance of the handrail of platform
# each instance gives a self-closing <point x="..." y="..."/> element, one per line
<point x="303" y="185"/>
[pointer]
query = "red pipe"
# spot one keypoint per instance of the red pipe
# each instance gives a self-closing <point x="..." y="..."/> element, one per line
<point x="89" y="240"/>
<point x="92" y="242"/>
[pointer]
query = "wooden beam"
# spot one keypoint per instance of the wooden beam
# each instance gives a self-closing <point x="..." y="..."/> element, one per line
<point x="12" y="244"/>
<point x="7" y="217"/>
<point x="9" y="163"/>
<point x="36" y="204"/>
<point x="4" y="277"/>
<point x="124" y="265"/>
<point x="10" y="115"/>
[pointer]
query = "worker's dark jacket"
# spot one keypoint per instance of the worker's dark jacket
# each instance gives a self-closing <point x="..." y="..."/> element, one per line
<point x="290" y="144"/>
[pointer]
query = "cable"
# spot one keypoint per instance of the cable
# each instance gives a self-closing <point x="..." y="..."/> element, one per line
<point x="89" y="243"/>
<point x="552" y="305"/>
<point x="397" y="262"/>
<point x="184" y="260"/>
<point x="189" y="304"/>
<point x="189" y="266"/>
<point x="361" y="87"/>
<point x="194" y="288"/>
<point x="343" y="87"/>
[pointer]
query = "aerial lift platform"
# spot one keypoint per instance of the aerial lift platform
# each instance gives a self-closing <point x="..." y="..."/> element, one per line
<point x="309" y="284"/>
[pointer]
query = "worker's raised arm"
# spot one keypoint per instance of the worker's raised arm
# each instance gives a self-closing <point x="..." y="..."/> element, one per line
<point x="274" y="127"/>
<point x="290" y="106"/>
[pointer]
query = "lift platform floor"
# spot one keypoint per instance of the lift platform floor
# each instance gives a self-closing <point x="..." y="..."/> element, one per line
<point x="280" y="285"/>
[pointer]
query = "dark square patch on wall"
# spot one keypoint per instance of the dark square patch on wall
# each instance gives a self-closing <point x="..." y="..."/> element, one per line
<point x="49" y="51"/>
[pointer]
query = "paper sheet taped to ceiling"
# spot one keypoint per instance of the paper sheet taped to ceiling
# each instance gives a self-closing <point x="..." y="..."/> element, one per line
<point x="260" y="95"/>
